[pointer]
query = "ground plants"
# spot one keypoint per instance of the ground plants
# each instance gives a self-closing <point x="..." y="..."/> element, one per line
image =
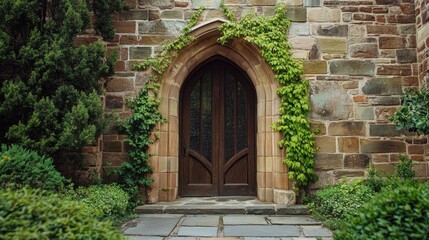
<point x="36" y="214"/>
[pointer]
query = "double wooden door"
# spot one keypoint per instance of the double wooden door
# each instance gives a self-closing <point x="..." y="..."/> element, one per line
<point x="217" y="135"/>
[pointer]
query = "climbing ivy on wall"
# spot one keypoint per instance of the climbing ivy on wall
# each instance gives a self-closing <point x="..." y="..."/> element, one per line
<point x="270" y="35"/>
<point x="146" y="115"/>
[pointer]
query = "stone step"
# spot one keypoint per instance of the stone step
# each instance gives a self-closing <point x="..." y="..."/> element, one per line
<point x="214" y="209"/>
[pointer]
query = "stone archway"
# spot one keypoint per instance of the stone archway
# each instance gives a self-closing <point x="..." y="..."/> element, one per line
<point x="271" y="181"/>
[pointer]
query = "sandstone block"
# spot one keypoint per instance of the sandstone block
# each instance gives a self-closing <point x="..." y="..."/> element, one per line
<point x="318" y="127"/>
<point x="118" y="84"/>
<point x="315" y="67"/>
<point x="387" y="2"/>
<point x="326" y="178"/>
<point x="356" y="30"/>
<point x="382" y="146"/>
<point x="385" y="168"/>
<point x="262" y="2"/>
<point x="296" y="14"/>
<point x="364" y="113"/>
<point x="416" y="149"/>
<point x="383" y="86"/>
<point x="324" y="161"/>
<point x="302" y="43"/>
<point x="399" y="70"/>
<point x="407" y="55"/>
<point x="311" y="3"/>
<point x="349" y="128"/>
<point x="161" y="27"/>
<point x="329" y="101"/>
<point x="332" y="45"/>
<point x="352" y="67"/>
<point x="421" y="169"/>
<point x="114" y="159"/>
<point x="163" y="4"/>
<point x="348" y="144"/>
<point x="140" y="52"/>
<point x="124" y="26"/>
<point x="112" y="146"/>
<point x="330" y="30"/>
<point x="299" y="29"/>
<point x="363" y="17"/>
<point x="324" y="15"/>
<point x="387" y="101"/>
<point x="114" y="102"/>
<point x="347" y="17"/>
<point x="326" y="144"/>
<point x="131" y="3"/>
<point x="364" y="51"/>
<point x="172" y="14"/>
<point x="382" y="29"/>
<point x="385" y="130"/>
<point x="392" y="42"/>
<point x="348" y="173"/>
<point x="134" y="15"/>
<point x="356" y="161"/>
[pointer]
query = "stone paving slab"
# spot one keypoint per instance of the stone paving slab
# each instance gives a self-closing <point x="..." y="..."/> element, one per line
<point x="201" y="221"/>
<point x="205" y="209"/>
<point x="293" y="220"/>
<point x="261" y="231"/>
<point x="198" y="231"/>
<point x="159" y="225"/>
<point x="244" y="220"/>
<point x="144" y="238"/>
<point x="316" y="231"/>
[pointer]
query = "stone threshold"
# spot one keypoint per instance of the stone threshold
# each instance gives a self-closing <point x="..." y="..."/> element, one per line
<point x="221" y="205"/>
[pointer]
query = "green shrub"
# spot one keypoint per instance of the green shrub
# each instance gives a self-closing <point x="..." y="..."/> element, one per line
<point x="404" y="169"/>
<point x="400" y="213"/>
<point x="20" y="167"/>
<point x="337" y="202"/>
<point x="37" y="214"/>
<point x="104" y="201"/>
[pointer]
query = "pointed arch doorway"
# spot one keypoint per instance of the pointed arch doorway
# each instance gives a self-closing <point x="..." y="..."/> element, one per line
<point x="217" y="131"/>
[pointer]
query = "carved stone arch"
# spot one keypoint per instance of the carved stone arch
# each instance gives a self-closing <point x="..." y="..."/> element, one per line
<point x="272" y="181"/>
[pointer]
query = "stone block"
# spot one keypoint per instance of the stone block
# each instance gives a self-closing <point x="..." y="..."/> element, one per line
<point x="140" y="52"/>
<point x="130" y="3"/>
<point x="305" y="43"/>
<point x="315" y="67"/>
<point x="163" y="4"/>
<point x="352" y="67"/>
<point x="363" y="17"/>
<point x="364" y="113"/>
<point x="386" y="101"/>
<point x="324" y="14"/>
<point x="421" y="169"/>
<point x="383" y="86"/>
<point x="312" y="3"/>
<point x="316" y="232"/>
<point x="348" y="173"/>
<point x="296" y="14"/>
<point x="318" y="127"/>
<point x="124" y="26"/>
<point x="134" y="15"/>
<point x="284" y="197"/>
<point x="114" y="102"/>
<point x="161" y="27"/>
<point x="382" y="29"/>
<point x="398" y="70"/>
<point x="172" y="14"/>
<point x="348" y="144"/>
<point x="347" y="17"/>
<point x="118" y="84"/>
<point x="114" y="159"/>
<point x="299" y="29"/>
<point x="349" y="128"/>
<point x="331" y="30"/>
<point x="407" y="55"/>
<point x="325" y="161"/>
<point x="262" y="2"/>
<point x="382" y="146"/>
<point x="182" y="3"/>
<point x="392" y="42"/>
<point x="332" y="45"/>
<point x="385" y="168"/>
<point x="325" y="144"/>
<point x="329" y="101"/>
<point x="356" y="161"/>
<point x="385" y="130"/>
<point x="364" y="50"/>
<point x="416" y="149"/>
<point x="113" y="146"/>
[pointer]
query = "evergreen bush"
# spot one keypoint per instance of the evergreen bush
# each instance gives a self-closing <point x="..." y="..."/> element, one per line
<point x="36" y="214"/>
<point x="20" y="167"/>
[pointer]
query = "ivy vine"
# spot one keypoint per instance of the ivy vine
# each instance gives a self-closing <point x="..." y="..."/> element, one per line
<point x="135" y="173"/>
<point x="270" y="35"/>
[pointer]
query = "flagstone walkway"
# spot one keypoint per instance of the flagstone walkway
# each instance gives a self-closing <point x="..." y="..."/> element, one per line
<point x="223" y="226"/>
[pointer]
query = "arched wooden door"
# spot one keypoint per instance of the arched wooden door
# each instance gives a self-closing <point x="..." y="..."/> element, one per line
<point x="217" y="135"/>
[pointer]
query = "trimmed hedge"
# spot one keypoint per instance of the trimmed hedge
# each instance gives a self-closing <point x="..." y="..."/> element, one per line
<point x="21" y="167"/>
<point x="37" y="214"/>
<point x="400" y="213"/>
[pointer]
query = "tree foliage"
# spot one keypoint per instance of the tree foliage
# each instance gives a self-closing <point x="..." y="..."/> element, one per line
<point x="49" y="87"/>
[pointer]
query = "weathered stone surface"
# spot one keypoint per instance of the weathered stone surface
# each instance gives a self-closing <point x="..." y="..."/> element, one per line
<point x="421" y="169"/>
<point x="296" y="14"/>
<point x="157" y="27"/>
<point x="134" y="15"/>
<point x="261" y="2"/>
<point x="198" y="231"/>
<point x="385" y="168"/>
<point x="261" y="231"/>
<point x="360" y="40"/>
<point x="392" y="42"/>
<point x="364" y="50"/>
<point x="172" y="14"/>
<point x="356" y="161"/>
<point x="314" y="53"/>
<point x="302" y="42"/>
<point x="364" y="113"/>
<point x="382" y="29"/>
<point x="349" y="128"/>
<point x="332" y="45"/>
<point x="299" y="29"/>
<point x="416" y="149"/>
<point x="381" y="146"/>
<point x="348" y="173"/>
<point x="311" y="3"/>
<point x="325" y="144"/>
<point x="329" y="101"/>
<point x="406" y="55"/>
<point x="385" y="130"/>
<point x="118" y="84"/>
<point x="315" y="67"/>
<point x="113" y="146"/>
<point x="352" y="67"/>
<point x="114" y="158"/>
<point x="158" y="3"/>
<point x="316" y="231"/>
<point x="333" y="30"/>
<point x="356" y="30"/>
<point x="244" y="220"/>
<point x="383" y="86"/>
<point x="348" y="144"/>
<point x="114" y="102"/>
<point x="347" y="17"/>
<point x="318" y="127"/>
<point x="140" y="52"/>
<point x="125" y="27"/>
<point x="293" y="220"/>
<point x="387" y="101"/>
<point x="363" y="17"/>
<point x="324" y="14"/>
<point x="350" y="85"/>
<point x="325" y="161"/>
<point x="201" y="221"/>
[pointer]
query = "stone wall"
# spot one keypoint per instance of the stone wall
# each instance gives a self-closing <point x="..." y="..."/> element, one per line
<point x="358" y="55"/>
